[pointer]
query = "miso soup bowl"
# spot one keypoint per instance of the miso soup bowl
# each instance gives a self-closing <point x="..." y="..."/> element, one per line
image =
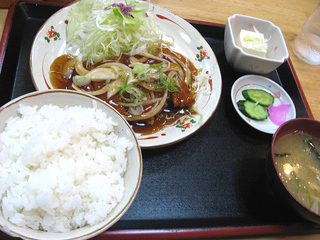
<point x="306" y="125"/>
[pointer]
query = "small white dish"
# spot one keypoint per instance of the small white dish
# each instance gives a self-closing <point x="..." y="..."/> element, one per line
<point x="50" y="42"/>
<point x="245" y="62"/>
<point x="260" y="82"/>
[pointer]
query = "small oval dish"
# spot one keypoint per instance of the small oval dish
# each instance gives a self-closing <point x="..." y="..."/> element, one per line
<point x="280" y="111"/>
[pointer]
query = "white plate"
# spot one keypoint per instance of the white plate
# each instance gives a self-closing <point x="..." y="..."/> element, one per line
<point x="260" y="82"/>
<point x="50" y="43"/>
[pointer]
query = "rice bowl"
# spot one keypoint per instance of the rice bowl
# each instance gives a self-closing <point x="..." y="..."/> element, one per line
<point x="70" y="191"/>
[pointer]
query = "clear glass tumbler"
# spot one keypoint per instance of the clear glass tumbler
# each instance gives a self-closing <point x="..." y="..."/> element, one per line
<point x="307" y="43"/>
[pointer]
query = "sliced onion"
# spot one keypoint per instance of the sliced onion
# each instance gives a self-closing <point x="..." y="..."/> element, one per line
<point x="172" y="74"/>
<point x="143" y="103"/>
<point x="137" y="110"/>
<point x="148" y="55"/>
<point x="174" y="67"/>
<point x="176" y="64"/>
<point x="147" y="85"/>
<point x="94" y="93"/>
<point x="68" y="68"/>
<point x="155" y="110"/>
<point x="81" y="81"/>
<point x="120" y="66"/>
<point x="186" y="71"/>
<point x="80" y="68"/>
<point x="138" y="50"/>
<point x="112" y="88"/>
<point x="143" y="59"/>
<point x="134" y="60"/>
<point x="115" y="64"/>
<point x="102" y="74"/>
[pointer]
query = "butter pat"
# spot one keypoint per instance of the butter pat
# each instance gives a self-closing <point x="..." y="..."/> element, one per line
<point x="252" y="43"/>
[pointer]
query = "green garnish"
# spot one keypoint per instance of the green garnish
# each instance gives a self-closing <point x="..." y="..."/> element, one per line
<point x="159" y="67"/>
<point x="141" y="70"/>
<point x="81" y="80"/>
<point x="133" y="90"/>
<point x="166" y="83"/>
<point x="170" y="84"/>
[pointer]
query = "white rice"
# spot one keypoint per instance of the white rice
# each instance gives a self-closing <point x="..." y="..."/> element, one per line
<point x="60" y="168"/>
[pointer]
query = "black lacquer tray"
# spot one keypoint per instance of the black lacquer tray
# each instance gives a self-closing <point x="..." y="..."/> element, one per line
<point x="213" y="184"/>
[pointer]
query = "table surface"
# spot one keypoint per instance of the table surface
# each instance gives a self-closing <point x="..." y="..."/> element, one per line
<point x="289" y="15"/>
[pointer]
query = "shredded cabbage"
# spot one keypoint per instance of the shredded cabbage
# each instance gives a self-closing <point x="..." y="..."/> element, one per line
<point x="105" y="28"/>
<point x="256" y="42"/>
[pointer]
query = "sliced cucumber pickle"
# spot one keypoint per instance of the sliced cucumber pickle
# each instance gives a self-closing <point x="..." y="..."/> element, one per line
<point x="253" y="110"/>
<point x="258" y="96"/>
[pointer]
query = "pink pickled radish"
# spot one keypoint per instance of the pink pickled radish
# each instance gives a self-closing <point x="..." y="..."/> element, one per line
<point x="278" y="113"/>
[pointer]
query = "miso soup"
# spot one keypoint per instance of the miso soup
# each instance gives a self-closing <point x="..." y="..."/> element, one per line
<point x="299" y="168"/>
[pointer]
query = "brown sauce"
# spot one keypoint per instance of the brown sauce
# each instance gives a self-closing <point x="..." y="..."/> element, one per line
<point x="168" y="116"/>
<point x="60" y="80"/>
<point x="57" y="78"/>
